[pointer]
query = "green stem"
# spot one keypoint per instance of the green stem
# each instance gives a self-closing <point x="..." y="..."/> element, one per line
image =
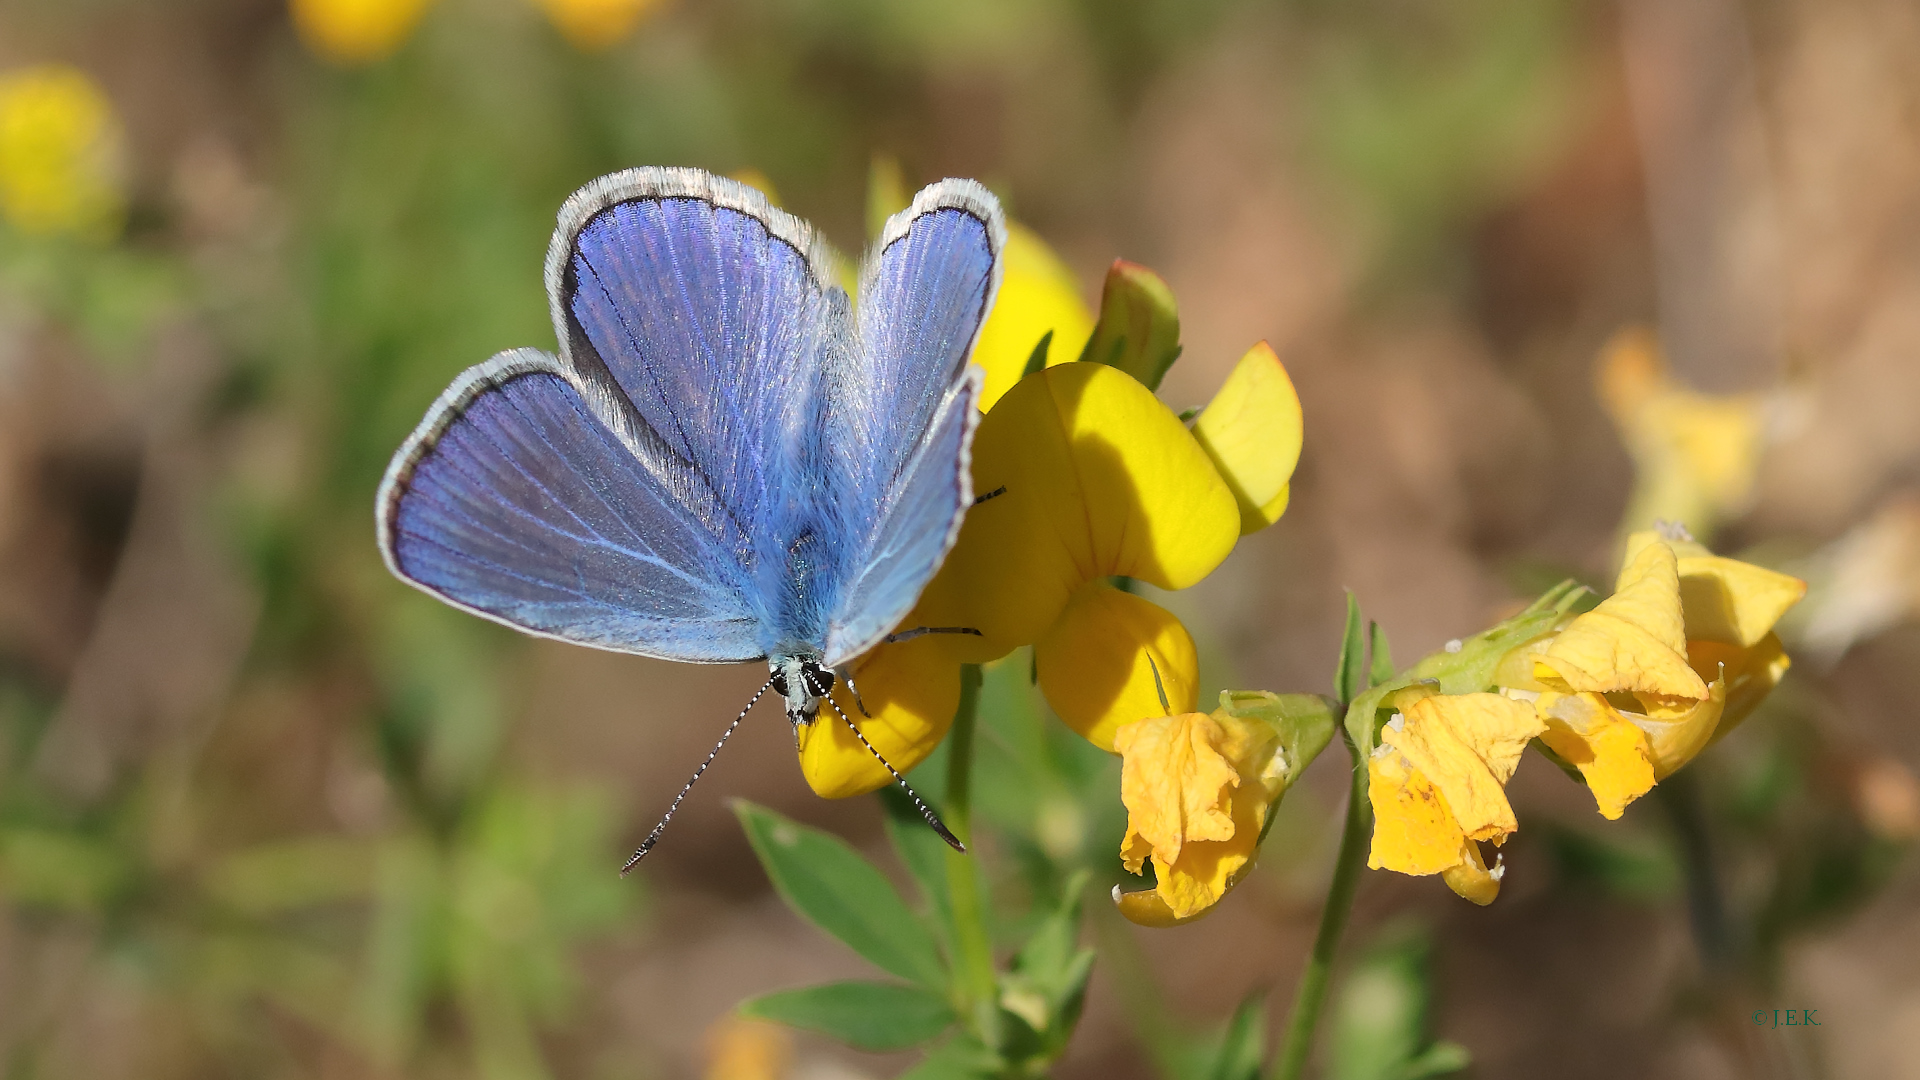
<point x="1312" y="995"/>
<point x="972" y="946"/>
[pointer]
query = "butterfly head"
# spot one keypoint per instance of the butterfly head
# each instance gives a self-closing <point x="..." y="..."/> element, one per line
<point x="802" y="682"/>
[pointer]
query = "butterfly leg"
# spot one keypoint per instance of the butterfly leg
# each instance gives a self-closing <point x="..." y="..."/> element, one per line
<point x="994" y="494"/>
<point x="909" y="635"/>
<point x="845" y="672"/>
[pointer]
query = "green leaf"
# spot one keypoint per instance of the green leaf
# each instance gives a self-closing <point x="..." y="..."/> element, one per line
<point x="959" y="1058"/>
<point x="920" y="849"/>
<point x="1347" y="673"/>
<point x="867" y="1015"/>
<point x="1048" y="981"/>
<point x="836" y="889"/>
<point x="1380" y="667"/>
<point x="1381" y="1015"/>
<point x="1038" y="360"/>
<point x="1139" y="326"/>
<point x="1243" y="1046"/>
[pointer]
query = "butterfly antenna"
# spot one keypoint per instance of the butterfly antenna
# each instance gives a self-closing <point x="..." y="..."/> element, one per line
<point x="933" y="820"/>
<point x="654" y="836"/>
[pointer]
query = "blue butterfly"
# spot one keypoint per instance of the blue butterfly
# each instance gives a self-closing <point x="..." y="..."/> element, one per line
<point x="727" y="461"/>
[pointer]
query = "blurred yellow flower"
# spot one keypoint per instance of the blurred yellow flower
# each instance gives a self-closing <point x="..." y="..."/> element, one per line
<point x="1038" y="295"/>
<point x="61" y="153"/>
<point x="741" y="1048"/>
<point x="1695" y="455"/>
<point x="1437" y="783"/>
<point x="593" y="25"/>
<point x="356" y="31"/>
<point x="1097" y="479"/>
<point x="1634" y="689"/>
<point x="1252" y="431"/>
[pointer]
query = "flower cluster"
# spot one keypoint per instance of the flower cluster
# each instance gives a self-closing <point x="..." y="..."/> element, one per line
<point x="1091" y="483"/>
<point x="1621" y="695"/>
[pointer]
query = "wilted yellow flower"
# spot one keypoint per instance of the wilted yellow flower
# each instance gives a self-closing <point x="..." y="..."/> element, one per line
<point x="1695" y="455"/>
<point x="1038" y="296"/>
<point x="61" y="153"/>
<point x="1634" y="689"/>
<point x="1198" y="789"/>
<point x="1437" y="783"/>
<point x="593" y="25"/>
<point x="356" y="31"/>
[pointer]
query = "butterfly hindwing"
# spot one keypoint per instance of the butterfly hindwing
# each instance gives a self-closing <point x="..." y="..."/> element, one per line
<point x="910" y="402"/>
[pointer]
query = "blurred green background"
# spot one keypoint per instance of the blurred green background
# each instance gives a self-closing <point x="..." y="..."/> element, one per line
<point x="266" y="812"/>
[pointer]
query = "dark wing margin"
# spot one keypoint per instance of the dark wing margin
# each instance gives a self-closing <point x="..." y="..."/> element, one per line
<point x="514" y="501"/>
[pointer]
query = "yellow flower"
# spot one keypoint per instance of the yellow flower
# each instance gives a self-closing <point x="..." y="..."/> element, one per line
<point x="1198" y="789"/>
<point x="1252" y="431"/>
<point x="1038" y="295"/>
<point x="911" y="689"/>
<point x="593" y="25"/>
<point x="356" y="31"/>
<point x="1634" y="689"/>
<point x="61" y="151"/>
<point x="1098" y="479"/>
<point x="1437" y="783"/>
<point x="1695" y="455"/>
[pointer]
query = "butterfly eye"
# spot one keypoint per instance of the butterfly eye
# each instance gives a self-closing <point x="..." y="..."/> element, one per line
<point x="780" y="683"/>
<point x="819" y="681"/>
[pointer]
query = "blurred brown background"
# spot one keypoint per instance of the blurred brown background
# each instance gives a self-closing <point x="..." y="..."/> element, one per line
<point x="267" y="812"/>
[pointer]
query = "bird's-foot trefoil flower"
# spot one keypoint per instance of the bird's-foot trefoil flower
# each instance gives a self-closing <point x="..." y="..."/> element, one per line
<point x="1199" y="789"/>
<point x="1437" y="782"/>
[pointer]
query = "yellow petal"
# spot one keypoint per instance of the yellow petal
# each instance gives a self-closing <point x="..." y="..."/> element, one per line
<point x="1677" y="731"/>
<point x="1750" y="675"/>
<point x="1414" y="831"/>
<point x="1467" y="745"/>
<point x="911" y="688"/>
<point x="356" y="31"/>
<point x="1610" y="751"/>
<point x="1197" y="789"/>
<point x="1252" y="431"/>
<point x="1038" y="294"/>
<point x="1635" y="640"/>
<point x="1175" y="783"/>
<point x="1471" y="880"/>
<point x="1145" y="907"/>
<point x="594" y="25"/>
<point x="1097" y="663"/>
<point x="1735" y="602"/>
<point x="1098" y="479"/>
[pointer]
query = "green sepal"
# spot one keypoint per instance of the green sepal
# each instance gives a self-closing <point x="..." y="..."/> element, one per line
<point x="1304" y="722"/>
<point x="1379" y="655"/>
<point x="835" y="888"/>
<point x="1037" y="360"/>
<point x="1466" y="669"/>
<point x="1139" y="326"/>
<point x="865" y="1015"/>
<point x="1347" y="671"/>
